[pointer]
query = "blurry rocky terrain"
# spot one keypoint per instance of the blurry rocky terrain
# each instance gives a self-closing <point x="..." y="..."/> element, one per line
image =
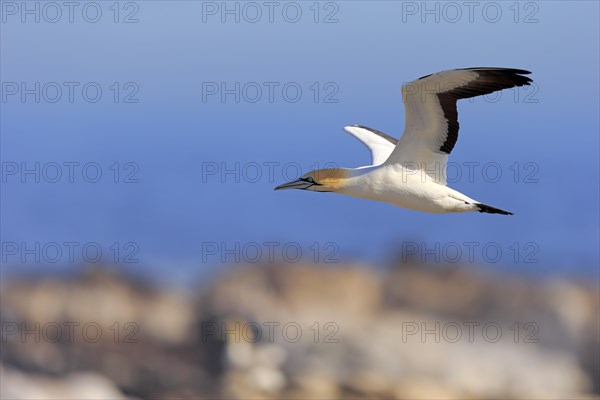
<point x="301" y="331"/>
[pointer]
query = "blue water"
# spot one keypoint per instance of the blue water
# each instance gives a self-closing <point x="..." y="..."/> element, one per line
<point x="168" y="132"/>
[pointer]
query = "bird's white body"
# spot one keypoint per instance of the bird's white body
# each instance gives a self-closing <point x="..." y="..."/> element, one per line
<point x="410" y="172"/>
<point x="406" y="188"/>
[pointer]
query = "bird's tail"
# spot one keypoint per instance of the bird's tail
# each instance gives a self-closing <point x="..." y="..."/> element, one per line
<point x="482" y="208"/>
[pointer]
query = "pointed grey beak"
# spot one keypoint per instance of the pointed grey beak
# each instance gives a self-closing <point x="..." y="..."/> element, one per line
<point x="297" y="184"/>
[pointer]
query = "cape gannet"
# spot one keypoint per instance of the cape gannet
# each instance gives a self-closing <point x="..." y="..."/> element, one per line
<point x="411" y="172"/>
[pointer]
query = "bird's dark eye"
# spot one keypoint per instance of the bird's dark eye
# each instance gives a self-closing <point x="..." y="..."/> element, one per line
<point x="310" y="179"/>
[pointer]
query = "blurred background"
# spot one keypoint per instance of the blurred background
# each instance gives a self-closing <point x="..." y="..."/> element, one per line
<point x="145" y="254"/>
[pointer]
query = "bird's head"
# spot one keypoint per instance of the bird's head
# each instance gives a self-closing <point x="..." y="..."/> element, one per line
<point x="320" y="180"/>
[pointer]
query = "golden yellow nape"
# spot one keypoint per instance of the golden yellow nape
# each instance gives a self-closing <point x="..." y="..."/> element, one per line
<point x="330" y="178"/>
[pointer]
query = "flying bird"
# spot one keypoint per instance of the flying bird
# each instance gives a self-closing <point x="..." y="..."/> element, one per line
<point x="411" y="172"/>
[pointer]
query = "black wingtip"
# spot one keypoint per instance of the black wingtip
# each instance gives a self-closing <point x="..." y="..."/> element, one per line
<point x="514" y="74"/>
<point x="500" y="69"/>
<point x="497" y="70"/>
<point x="491" y="210"/>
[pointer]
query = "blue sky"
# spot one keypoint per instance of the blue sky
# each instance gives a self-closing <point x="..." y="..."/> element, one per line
<point x="162" y="119"/>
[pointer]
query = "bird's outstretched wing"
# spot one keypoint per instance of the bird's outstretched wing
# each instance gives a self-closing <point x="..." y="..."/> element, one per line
<point x="380" y="144"/>
<point x="431" y="127"/>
